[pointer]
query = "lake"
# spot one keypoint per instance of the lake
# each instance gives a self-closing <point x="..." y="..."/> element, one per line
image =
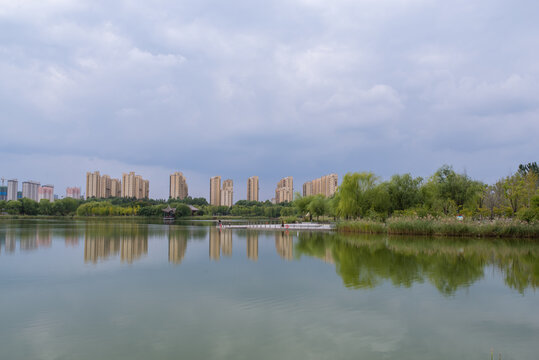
<point x="139" y="290"/>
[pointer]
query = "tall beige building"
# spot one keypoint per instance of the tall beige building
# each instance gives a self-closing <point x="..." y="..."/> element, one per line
<point x="285" y="190"/>
<point x="134" y="186"/>
<point x="93" y="185"/>
<point x="102" y="186"/>
<point x="252" y="188"/>
<point x="178" y="186"/>
<point x="115" y="188"/>
<point x="326" y="185"/>
<point x="105" y="186"/>
<point x="215" y="191"/>
<point x="227" y="193"/>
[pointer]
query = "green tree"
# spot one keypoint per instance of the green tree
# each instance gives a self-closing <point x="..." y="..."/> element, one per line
<point x="29" y="206"/>
<point x="45" y="207"/>
<point x="404" y="191"/>
<point x="352" y="192"/>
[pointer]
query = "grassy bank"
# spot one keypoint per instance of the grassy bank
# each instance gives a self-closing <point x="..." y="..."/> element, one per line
<point x="442" y="227"/>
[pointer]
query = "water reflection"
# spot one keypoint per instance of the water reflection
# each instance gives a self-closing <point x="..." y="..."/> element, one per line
<point x="252" y="245"/>
<point x="448" y="264"/>
<point x="284" y="244"/>
<point x="362" y="262"/>
<point x="177" y="245"/>
<point x="102" y="242"/>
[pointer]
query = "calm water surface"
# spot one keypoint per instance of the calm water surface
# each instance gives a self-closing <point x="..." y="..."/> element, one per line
<point x="128" y="290"/>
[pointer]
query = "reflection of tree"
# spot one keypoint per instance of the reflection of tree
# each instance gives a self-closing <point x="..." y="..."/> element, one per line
<point x="105" y="240"/>
<point x="365" y="261"/>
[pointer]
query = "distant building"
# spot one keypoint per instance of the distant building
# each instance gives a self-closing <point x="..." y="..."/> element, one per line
<point x="134" y="186"/>
<point x="326" y="185"/>
<point x="93" y="185"/>
<point x="30" y="190"/>
<point x="285" y="190"/>
<point x="115" y="188"/>
<point x="178" y="186"/>
<point x="12" y="189"/>
<point x="104" y="186"/>
<point x="73" y="192"/>
<point x="227" y="193"/>
<point x="3" y="192"/>
<point x="252" y="188"/>
<point x="19" y="195"/>
<point x="215" y="191"/>
<point x="46" y="192"/>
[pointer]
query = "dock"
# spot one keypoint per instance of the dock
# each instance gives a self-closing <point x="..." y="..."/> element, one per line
<point x="262" y="226"/>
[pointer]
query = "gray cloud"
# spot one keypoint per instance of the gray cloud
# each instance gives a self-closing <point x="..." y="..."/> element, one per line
<point x="298" y="88"/>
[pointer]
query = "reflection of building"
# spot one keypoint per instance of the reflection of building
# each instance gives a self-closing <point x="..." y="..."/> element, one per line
<point x="100" y="247"/>
<point x="71" y="241"/>
<point x="177" y="245"/>
<point x="215" y="244"/>
<point x="215" y="191"/>
<point x="30" y="190"/>
<point x="227" y="193"/>
<point x="326" y="185"/>
<point x="285" y="190"/>
<point x="73" y="192"/>
<point x="12" y="188"/>
<point x="252" y="188"/>
<point x="226" y="242"/>
<point x="11" y="242"/>
<point x="178" y="186"/>
<point x="134" y="186"/>
<point x="284" y="244"/>
<point x="46" y="192"/>
<point x="132" y="248"/>
<point x="103" y="242"/>
<point x="252" y="245"/>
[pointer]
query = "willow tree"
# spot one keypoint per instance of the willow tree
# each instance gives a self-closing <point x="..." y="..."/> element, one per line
<point x="352" y="194"/>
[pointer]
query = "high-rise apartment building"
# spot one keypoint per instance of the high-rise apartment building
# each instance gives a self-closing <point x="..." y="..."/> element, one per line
<point x="3" y="192"/>
<point x="30" y="190"/>
<point x="227" y="193"/>
<point x="93" y="185"/>
<point x="12" y="188"/>
<point x="326" y="185"/>
<point x="104" y="186"/>
<point x="285" y="190"/>
<point x="134" y="186"/>
<point x="178" y="186"/>
<point x="73" y="192"/>
<point x="252" y="188"/>
<point x="115" y="188"/>
<point x="46" y="192"/>
<point x="215" y="191"/>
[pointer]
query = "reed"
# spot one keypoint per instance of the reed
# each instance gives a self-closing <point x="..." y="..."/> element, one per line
<point x="442" y="227"/>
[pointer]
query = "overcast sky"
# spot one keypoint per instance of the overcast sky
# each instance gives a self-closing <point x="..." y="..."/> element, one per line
<point x="296" y="88"/>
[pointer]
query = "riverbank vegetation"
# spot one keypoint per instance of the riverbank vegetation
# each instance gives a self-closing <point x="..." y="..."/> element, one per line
<point x="363" y="203"/>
